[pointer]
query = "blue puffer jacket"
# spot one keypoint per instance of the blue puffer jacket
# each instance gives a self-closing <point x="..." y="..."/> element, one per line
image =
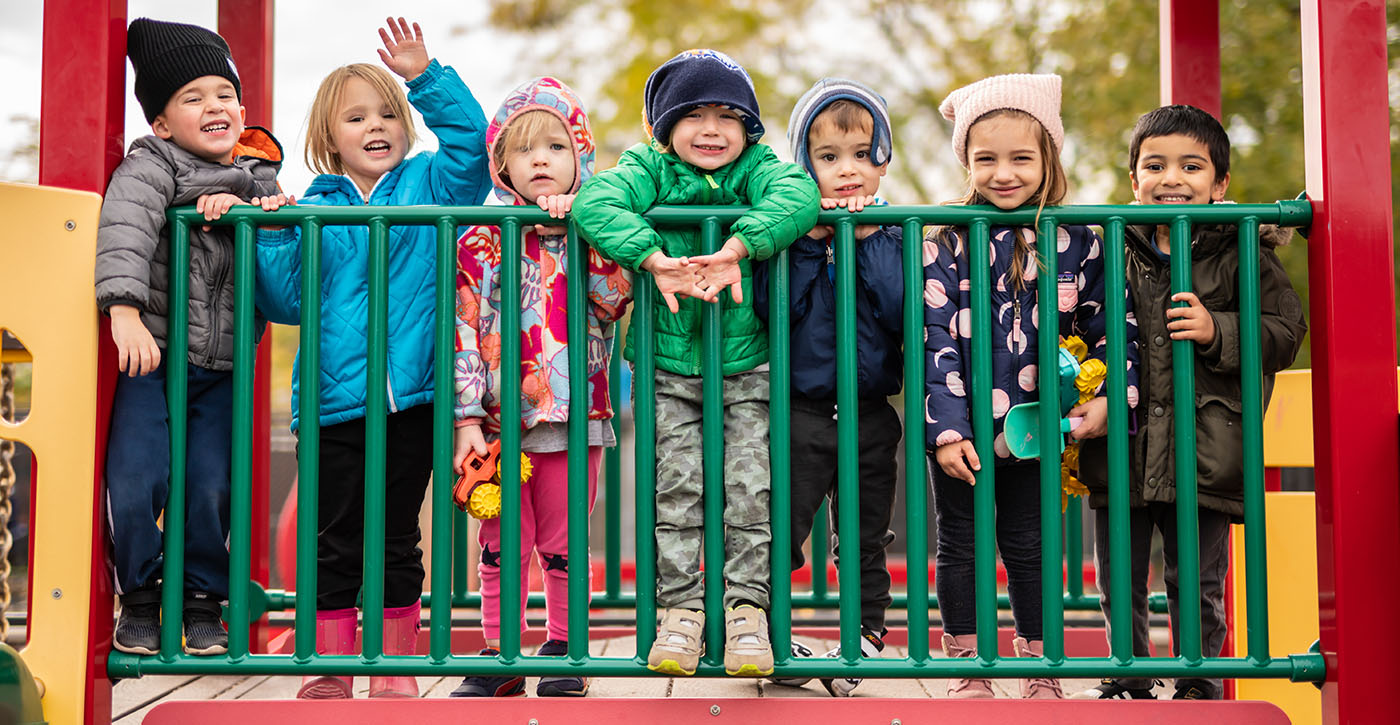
<point x="1015" y="326"/>
<point x="456" y="174"/>
<point x="879" y="314"/>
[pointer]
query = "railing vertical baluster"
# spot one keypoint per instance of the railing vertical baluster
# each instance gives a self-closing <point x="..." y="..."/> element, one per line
<point x="847" y="450"/>
<point x="376" y="412"/>
<point x="984" y="493"/>
<point x="712" y="432"/>
<point x="1074" y="549"/>
<point x="1052" y="578"/>
<point x="511" y="605"/>
<point x="579" y="403"/>
<point x="915" y="453"/>
<point x="821" y="549"/>
<point x="440" y="587"/>
<point x="241" y="451"/>
<point x="612" y="480"/>
<point x="1252" y="420"/>
<point x="644" y="434"/>
<point x="177" y="355"/>
<point x="780" y="454"/>
<point x="1188" y="563"/>
<point x="461" y="563"/>
<point x="1120" y="559"/>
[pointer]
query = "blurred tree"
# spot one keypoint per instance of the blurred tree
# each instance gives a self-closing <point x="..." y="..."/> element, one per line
<point x="20" y="160"/>
<point x="914" y="53"/>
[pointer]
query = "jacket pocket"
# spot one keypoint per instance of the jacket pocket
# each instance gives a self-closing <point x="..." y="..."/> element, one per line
<point x="1219" y="446"/>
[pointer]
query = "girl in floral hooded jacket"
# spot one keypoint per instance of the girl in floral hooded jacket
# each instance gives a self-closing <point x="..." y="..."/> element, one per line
<point x="541" y="151"/>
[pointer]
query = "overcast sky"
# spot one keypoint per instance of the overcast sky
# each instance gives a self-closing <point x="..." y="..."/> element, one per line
<point x="311" y="38"/>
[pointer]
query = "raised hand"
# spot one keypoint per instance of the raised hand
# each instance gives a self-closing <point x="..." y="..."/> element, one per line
<point x="403" y="53"/>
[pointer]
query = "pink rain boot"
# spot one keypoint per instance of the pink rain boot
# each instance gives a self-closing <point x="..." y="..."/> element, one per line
<point x="965" y="645"/>
<point x="335" y="635"/>
<point x="400" y="638"/>
<point x="1036" y="688"/>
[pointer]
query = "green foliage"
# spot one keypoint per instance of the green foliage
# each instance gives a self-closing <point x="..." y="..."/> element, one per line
<point x="1106" y="50"/>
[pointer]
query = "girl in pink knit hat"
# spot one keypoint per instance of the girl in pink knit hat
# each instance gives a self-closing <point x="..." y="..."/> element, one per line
<point x="1008" y="135"/>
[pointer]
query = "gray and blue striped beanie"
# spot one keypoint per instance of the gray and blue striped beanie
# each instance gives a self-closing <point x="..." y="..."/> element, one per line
<point x="822" y="94"/>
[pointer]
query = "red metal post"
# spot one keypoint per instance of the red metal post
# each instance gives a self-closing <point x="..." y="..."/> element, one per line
<point x="247" y="26"/>
<point x="1190" y="64"/>
<point x="80" y="143"/>
<point x="1352" y="285"/>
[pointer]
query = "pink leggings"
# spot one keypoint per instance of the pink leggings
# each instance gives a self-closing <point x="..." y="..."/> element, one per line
<point x="544" y="527"/>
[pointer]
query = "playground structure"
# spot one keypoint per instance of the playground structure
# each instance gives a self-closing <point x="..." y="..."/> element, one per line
<point x="1355" y="439"/>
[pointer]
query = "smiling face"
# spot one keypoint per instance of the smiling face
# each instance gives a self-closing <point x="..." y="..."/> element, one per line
<point x="841" y="160"/>
<point x="541" y="163"/>
<point x="1005" y="160"/>
<point x="708" y="137"/>
<point x="204" y="118"/>
<point x="368" y="136"/>
<point x="1176" y="169"/>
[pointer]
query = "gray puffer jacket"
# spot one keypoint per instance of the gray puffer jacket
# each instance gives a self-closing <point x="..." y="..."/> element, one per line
<point x="133" y="237"/>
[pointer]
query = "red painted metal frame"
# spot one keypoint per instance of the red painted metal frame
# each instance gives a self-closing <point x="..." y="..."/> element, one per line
<point x="247" y="25"/>
<point x="1190" y="50"/>
<point x="80" y="143"/>
<point x="1352" y="287"/>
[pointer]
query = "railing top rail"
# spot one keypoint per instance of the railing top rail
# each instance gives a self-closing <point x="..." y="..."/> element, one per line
<point x="1294" y="212"/>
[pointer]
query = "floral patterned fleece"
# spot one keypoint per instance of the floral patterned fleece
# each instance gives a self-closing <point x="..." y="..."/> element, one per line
<point x="544" y="355"/>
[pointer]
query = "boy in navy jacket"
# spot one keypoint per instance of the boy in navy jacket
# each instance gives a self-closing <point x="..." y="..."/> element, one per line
<point x="840" y="133"/>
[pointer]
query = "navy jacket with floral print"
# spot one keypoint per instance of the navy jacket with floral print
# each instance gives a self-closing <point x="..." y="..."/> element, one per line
<point x="1015" y="322"/>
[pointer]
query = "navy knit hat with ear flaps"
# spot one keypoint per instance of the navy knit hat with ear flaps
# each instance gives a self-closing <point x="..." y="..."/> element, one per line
<point x="166" y="56"/>
<point x="822" y="94"/>
<point x="698" y="77"/>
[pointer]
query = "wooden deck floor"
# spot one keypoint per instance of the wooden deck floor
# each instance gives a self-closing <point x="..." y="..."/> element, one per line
<point x="132" y="699"/>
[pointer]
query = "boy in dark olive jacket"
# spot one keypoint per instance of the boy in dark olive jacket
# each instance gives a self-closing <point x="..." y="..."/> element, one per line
<point x="1181" y="155"/>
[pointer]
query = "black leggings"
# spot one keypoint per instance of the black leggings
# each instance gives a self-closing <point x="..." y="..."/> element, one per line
<point x="340" y="544"/>
<point x="1018" y="539"/>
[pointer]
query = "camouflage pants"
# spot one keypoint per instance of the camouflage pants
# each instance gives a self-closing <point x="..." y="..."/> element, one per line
<point x="679" y="489"/>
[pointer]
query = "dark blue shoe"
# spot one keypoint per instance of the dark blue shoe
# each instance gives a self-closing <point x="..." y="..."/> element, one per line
<point x="567" y="686"/>
<point x="503" y="686"/>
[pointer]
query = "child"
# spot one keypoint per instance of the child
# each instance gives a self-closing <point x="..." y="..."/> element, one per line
<point x="201" y="154"/>
<point x="359" y="135"/>
<point x="840" y="133"/>
<point x="1181" y="155"/>
<point x="541" y="151"/>
<point x="702" y="115"/>
<point x="1008" y="134"/>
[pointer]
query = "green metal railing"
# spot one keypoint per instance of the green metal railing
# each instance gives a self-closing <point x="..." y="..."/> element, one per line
<point x="447" y="583"/>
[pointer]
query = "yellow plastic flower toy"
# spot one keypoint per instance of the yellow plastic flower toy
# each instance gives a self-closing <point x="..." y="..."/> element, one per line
<point x="1091" y="375"/>
<point x="478" y="491"/>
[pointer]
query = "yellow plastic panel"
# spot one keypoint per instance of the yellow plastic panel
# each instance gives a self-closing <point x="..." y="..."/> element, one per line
<point x="48" y="242"/>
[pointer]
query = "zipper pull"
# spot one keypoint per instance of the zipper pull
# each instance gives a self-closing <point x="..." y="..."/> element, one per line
<point x="1016" y="326"/>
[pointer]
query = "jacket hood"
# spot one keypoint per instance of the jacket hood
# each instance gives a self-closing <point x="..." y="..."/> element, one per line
<point x="256" y="141"/>
<point x="1210" y="238"/>
<point x="551" y="96"/>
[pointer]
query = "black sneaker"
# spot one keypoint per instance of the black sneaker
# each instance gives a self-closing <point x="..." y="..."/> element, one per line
<point x="505" y="686"/>
<point x="1194" y="690"/>
<point x="204" y="627"/>
<point x="138" y="626"/>
<point x="871" y="645"/>
<point x="557" y="686"/>
<point x="1109" y="689"/>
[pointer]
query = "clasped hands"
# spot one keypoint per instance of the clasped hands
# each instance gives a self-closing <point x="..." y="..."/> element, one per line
<point x="703" y="276"/>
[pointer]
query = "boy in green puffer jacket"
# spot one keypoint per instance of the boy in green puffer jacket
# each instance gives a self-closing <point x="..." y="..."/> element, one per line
<point x="702" y="116"/>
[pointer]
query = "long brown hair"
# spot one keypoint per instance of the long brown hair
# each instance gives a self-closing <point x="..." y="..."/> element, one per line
<point x="1054" y="185"/>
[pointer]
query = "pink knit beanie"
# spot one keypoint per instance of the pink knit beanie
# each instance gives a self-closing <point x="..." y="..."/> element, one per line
<point x="1036" y="94"/>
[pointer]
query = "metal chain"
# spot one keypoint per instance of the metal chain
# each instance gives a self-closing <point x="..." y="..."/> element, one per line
<point x="7" y="486"/>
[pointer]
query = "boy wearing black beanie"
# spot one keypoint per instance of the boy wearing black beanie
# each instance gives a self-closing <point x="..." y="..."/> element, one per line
<point x="199" y="153"/>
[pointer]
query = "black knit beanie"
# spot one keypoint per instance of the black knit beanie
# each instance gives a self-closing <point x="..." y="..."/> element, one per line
<point x="698" y="77"/>
<point x="166" y="56"/>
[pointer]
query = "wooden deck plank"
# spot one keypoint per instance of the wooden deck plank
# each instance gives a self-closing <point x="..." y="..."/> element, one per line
<point x="208" y="687"/>
<point x="136" y="693"/>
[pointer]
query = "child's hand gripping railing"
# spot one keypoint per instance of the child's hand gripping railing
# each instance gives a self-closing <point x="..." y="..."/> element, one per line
<point x="978" y="220"/>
